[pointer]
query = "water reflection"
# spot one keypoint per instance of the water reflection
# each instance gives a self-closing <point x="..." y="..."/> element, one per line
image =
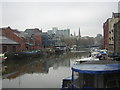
<point x="39" y="72"/>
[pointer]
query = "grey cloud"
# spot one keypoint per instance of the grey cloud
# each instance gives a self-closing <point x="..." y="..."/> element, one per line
<point x="89" y="16"/>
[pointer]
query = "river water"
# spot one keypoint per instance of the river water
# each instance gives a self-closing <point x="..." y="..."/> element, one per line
<point x="46" y="72"/>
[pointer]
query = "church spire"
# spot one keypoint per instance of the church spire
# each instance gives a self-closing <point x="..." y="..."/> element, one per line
<point x="74" y="34"/>
<point x="79" y="33"/>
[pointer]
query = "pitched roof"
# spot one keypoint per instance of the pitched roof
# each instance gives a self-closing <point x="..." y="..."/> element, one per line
<point x="116" y="15"/>
<point x="5" y="40"/>
<point x="33" y="31"/>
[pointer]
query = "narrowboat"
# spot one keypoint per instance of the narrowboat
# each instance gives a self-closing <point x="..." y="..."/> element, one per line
<point x="26" y="54"/>
<point x="94" y="74"/>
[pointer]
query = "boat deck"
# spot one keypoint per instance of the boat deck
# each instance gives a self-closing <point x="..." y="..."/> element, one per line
<point x="102" y="62"/>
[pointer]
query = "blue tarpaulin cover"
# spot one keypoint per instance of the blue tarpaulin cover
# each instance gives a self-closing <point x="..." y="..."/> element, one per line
<point x="96" y="68"/>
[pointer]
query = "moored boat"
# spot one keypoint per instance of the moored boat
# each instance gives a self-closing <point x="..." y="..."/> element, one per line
<point x="88" y="59"/>
<point x="2" y="58"/>
<point x="95" y="74"/>
<point x="26" y="54"/>
<point x="91" y="57"/>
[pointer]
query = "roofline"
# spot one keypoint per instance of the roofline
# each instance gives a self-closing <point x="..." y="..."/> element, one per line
<point x="116" y="70"/>
<point x="95" y="72"/>
<point x="9" y="44"/>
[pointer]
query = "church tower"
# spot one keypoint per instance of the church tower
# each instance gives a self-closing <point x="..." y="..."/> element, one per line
<point x="79" y="34"/>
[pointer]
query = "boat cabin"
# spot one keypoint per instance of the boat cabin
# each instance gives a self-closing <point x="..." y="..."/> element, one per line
<point x="96" y="74"/>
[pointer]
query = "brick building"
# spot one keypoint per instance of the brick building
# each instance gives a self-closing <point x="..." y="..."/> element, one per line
<point x="25" y="40"/>
<point x="9" y="33"/>
<point x="8" y="45"/>
<point x="38" y="39"/>
<point x="33" y="38"/>
<point x="115" y="18"/>
<point x="33" y="42"/>
<point x="35" y="31"/>
<point x="117" y="37"/>
<point x="111" y="34"/>
<point x="106" y="33"/>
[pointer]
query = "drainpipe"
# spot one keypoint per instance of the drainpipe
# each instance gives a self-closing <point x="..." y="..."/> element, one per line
<point x="72" y="78"/>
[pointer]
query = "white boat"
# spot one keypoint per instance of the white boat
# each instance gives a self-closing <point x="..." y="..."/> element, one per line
<point x="91" y="57"/>
<point x="2" y="57"/>
<point x="96" y="55"/>
<point x="87" y="59"/>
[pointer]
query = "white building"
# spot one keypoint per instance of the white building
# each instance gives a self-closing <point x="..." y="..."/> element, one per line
<point x="65" y="33"/>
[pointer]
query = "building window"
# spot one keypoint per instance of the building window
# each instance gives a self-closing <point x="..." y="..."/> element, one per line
<point x="14" y="48"/>
<point x="112" y="30"/>
<point x="4" y="49"/>
<point x="112" y="38"/>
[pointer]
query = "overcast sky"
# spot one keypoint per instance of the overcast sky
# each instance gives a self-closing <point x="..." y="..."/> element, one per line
<point x="89" y="16"/>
